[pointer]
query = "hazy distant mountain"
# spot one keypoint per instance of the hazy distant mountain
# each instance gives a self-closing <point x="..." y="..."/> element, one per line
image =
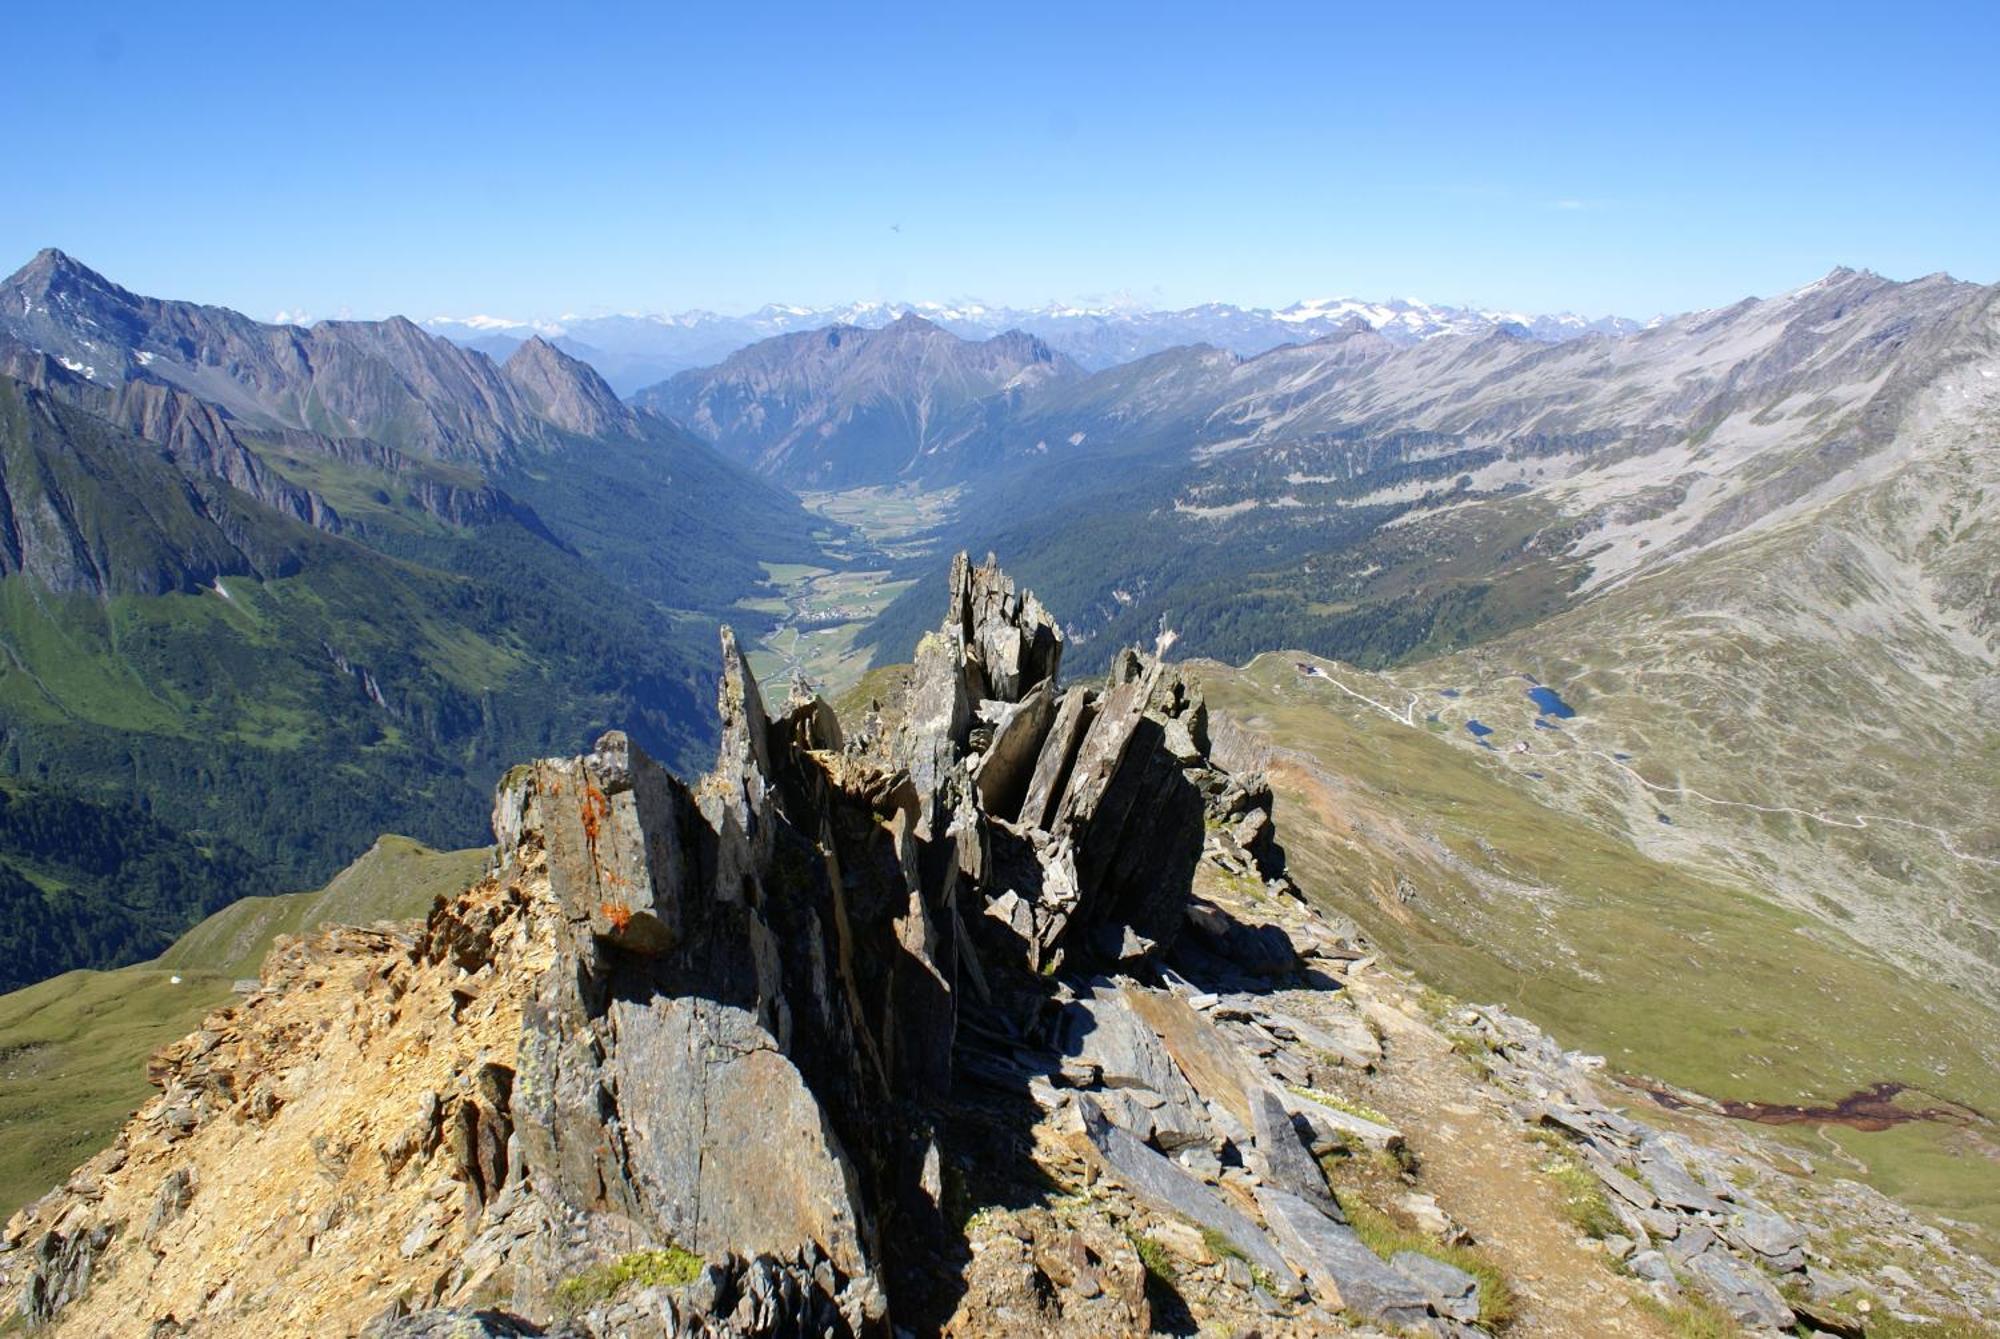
<point x="849" y="405"/>
<point x="634" y="350"/>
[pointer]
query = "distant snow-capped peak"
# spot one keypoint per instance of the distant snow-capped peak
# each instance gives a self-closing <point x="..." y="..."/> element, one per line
<point x="634" y="349"/>
<point x="494" y="325"/>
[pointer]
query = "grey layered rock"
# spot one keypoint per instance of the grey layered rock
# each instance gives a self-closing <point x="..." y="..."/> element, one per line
<point x="1693" y="1239"/>
<point x="1170" y="1126"/>
<point x="171" y="1200"/>
<point x="1344" y="1127"/>
<point x="611" y="823"/>
<point x="939" y="715"/>
<point x="1343" y="1271"/>
<point x="1005" y="768"/>
<point x="1057" y="756"/>
<point x="1160" y="1183"/>
<point x="1102" y="749"/>
<point x="450" y="1323"/>
<point x="61" y="1269"/>
<point x="681" y="1066"/>
<point x="1769" y="1235"/>
<point x="1741" y="1290"/>
<point x="1671" y="1181"/>
<point x="1014" y="641"/>
<point x="1452" y="1291"/>
<point x="1288" y="1162"/>
<point x="1617" y="1182"/>
<point x="1346" y="1037"/>
<point x="1204" y="1056"/>
<point x="1134" y="816"/>
<point x="1101" y="1030"/>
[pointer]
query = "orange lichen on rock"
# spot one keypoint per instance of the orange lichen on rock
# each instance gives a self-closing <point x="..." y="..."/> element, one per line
<point x="595" y="809"/>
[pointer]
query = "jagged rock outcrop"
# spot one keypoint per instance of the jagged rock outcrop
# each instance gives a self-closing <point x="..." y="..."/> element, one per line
<point x="736" y="1001"/>
<point x="738" y="1056"/>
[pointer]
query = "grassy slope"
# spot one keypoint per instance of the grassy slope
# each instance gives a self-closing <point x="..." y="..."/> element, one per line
<point x="73" y="1048"/>
<point x="397" y="878"/>
<point x="1488" y="894"/>
<point x="100" y="885"/>
<point x="192" y="699"/>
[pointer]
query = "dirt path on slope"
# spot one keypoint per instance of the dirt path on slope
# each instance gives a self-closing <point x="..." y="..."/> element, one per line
<point x="1485" y="1175"/>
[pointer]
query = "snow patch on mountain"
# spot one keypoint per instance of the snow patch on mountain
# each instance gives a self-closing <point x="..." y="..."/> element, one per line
<point x="631" y="348"/>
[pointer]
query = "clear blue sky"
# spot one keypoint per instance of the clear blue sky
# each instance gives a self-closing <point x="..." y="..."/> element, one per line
<point x="526" y="160"/>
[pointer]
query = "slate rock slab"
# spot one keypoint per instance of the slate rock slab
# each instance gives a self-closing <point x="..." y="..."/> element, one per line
<point x="1742" y="1291"/>
<point x="1287" y="1161"/>
<point x="1344" y="1272"/>
<point x="1453" y="1292"/>
<point x="1164" y="1186"/>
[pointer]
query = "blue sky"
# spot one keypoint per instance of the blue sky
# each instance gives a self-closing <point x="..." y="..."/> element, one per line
<point x="522" y="161"/>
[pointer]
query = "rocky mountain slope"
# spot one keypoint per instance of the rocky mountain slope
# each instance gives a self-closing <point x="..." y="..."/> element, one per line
<point x="1499" y="870"/>
<point x="994" y="1011"/>
<point x="845" y="405"/>
<point x="1310" y="488"/>
<point x="387" y="381"/>
<point x="73" y="1048"/>
<point x="1760" y="541"/>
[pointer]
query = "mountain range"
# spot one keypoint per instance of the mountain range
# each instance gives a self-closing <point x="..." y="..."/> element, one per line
<point x="633" y="350"/>
<point x="354" y="570"/>
<point x="1599" y="508"/>
<point x="1767" y="531"/>
<point x="1643" y="677"/>
<point x="212" y="523"/>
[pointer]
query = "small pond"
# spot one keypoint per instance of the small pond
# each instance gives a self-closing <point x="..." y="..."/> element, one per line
<point x="1549" y="702"/>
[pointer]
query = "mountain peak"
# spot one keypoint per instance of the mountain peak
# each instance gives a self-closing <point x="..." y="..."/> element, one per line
<point x="565" y="391"/>
<point x="535" y="351"/>
<point x="51" y="269"/>
<point x="1845" y="274"/>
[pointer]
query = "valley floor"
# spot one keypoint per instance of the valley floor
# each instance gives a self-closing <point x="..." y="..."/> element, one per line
<point x="823" y="609"/>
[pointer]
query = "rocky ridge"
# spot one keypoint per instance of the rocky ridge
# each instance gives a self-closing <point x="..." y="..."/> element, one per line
<point x="993" y="1014"/>
<point x="388" y="380"/>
